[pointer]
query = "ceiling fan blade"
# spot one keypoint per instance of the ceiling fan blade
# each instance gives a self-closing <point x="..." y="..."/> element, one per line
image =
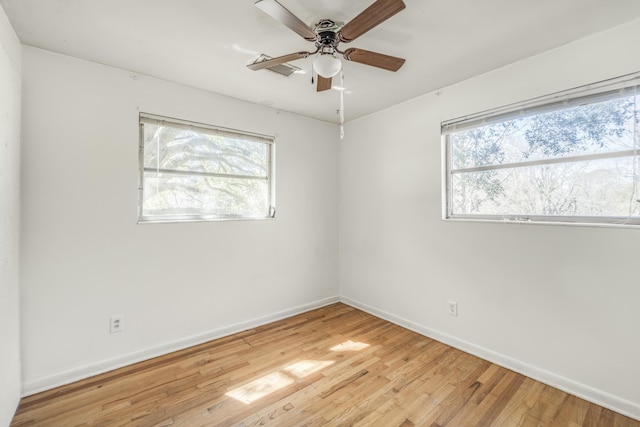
<point x="375" y="14"/>
<point x="279" y="60"/>
<point x="282" y="14"/>
<point x="374" y="59"/>
<point x="323" y="84"/>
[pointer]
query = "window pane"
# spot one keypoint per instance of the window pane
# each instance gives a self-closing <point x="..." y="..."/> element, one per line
<point x="599" y="127"/>
<point x="174" y="195"/>
<point x="188" y="150"/>
<point x="602" y="187"/>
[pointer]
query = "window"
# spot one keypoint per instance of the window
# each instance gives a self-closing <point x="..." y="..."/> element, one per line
<point x="571" y="157"/>
<point x="195" y="172"/>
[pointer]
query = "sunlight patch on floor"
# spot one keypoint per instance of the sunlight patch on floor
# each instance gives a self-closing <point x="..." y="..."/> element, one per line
<point x="304" y="368"/>
<point x="349" y="346"/>
<point x="275" y="381"/>
<point x="253" y="391"/>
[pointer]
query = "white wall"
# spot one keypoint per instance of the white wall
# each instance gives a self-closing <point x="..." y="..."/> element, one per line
<point x="84" y="257"/>
<point x="557" y="303"/>
<point x="10" y="81"/>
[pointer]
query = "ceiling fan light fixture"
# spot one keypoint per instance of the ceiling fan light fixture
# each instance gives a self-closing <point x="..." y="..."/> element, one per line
<point x="327" y="65"/>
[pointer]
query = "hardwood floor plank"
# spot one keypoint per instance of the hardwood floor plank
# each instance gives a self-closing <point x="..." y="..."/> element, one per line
<point x="334" y="366"/>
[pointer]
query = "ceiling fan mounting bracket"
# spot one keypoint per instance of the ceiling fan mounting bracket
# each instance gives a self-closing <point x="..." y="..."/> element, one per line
<point x="327" y="25"/>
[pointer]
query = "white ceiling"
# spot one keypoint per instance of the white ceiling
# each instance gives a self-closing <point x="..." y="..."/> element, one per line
<point x="207" y="43"/>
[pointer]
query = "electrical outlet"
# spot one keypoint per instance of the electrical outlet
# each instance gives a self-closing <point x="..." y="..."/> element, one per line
<point x="453" y="309"/>
<point x="116" y="323"/>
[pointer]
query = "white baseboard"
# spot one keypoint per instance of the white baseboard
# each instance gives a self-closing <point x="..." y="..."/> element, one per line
<point x="599" y="397"/>
<point x="583" y="391"/>
<point x="62" y="378"/>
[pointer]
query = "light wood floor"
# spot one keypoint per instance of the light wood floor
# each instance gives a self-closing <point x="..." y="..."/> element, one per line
<point x="332" y="366"/>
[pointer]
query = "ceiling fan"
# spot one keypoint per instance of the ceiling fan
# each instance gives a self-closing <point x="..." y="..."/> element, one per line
<point x="327" y="36"/>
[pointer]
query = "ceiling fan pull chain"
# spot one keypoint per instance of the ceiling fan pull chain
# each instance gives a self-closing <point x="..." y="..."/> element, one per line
<point x="341" y="104"/>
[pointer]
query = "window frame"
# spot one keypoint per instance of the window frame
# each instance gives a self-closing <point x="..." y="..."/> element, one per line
<point x="211" y="130"/>
<point x="599" y="91"/>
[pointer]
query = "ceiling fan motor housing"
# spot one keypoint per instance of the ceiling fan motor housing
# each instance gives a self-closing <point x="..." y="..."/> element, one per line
<point x="327" y="40"/>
